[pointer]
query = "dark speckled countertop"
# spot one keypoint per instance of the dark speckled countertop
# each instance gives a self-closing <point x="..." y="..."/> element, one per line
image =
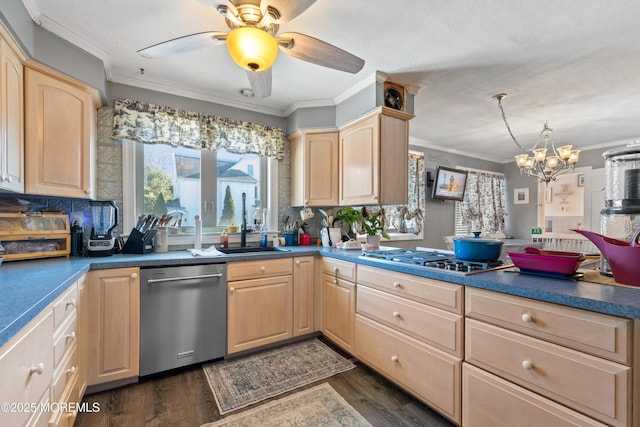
<point x="27" y="287"/>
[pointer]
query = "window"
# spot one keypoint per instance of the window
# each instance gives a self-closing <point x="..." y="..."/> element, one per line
<point x="186" y="182"/>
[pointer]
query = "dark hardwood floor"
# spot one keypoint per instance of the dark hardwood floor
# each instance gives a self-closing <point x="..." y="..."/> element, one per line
<point x="184" y="399"/>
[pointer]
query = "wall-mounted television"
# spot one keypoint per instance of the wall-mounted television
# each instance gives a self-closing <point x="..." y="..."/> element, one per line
<point x="449" y="184"/>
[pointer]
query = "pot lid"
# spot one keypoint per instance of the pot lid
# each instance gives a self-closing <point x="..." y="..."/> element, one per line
<point x="478" y="240"/>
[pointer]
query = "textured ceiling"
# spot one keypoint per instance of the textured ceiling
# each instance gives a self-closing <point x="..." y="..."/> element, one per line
<point x="575" y="63"/>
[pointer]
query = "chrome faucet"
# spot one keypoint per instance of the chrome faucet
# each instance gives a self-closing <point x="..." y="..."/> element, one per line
<point x="243" y="228"/>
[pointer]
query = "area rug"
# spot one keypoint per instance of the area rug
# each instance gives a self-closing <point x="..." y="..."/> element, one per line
<point x="317" y="406"/>
<point x="238" y="383"/>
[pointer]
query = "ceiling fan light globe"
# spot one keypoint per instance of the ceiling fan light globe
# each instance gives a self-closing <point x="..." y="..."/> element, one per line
<point x="252" y="48"/>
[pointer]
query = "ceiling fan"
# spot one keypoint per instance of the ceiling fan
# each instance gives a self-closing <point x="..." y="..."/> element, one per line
<point x="253" y="41"/>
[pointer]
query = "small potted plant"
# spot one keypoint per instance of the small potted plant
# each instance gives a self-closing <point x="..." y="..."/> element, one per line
<point x="374" y="227"/>
<point x="352" y="217"/>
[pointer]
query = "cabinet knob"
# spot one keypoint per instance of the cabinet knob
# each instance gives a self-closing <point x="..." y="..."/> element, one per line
<point x="87" y="191"/>
<point x="397" y="285"/>
<point x="526" y="364"/>
<point x="527" y="318"/>
<point x="38" y="369"/>
<point x="4" y="177"/>
<point x="396" y="314"/>
<point x="394" y="358"/>
<point x="335" y="281"/>
<point x="72" y="370"/>
<point x="71" y="336"/>
<point x="263" y="269"/>
<point x="134" y="275"/>
<point x="231" y="289"/>
<point x="335" y="270"/>
<point x="72" y="303"/>
<point x="9" y="179"/>
<point x="298" y="262"/>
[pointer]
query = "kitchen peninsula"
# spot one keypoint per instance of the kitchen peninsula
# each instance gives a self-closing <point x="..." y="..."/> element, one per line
<point x="551" y="322"/>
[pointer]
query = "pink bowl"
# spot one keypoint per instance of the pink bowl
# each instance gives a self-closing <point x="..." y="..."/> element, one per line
<point x="548" y="261"/>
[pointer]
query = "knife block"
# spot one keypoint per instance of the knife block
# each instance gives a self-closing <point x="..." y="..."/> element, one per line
<point x="139" y="243"/>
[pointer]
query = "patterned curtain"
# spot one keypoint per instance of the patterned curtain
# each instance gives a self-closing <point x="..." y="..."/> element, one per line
<point x="409" y="218"/>
<point x="483" y="208"/>
<point x="154" y="124"/>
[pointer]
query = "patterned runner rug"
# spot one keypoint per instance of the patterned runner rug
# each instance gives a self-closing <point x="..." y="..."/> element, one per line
<point x="318" y="406"/>
<point x="240" y="382"/>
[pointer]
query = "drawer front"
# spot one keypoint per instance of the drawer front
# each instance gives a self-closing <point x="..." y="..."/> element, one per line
<point x="431" y="325"/>
<point x="259" y="268"/>
<point x="492" y="401"/>
<point x="340" y="269"/>
<point x="588" y="384"/>
<point x="599" y="334"/>
<point x="65" y="376"/>
<point x="65" y="305"/>
<point x="64" y="338"/>
<point x="431" y="375"/>
<point x="447" y="296"/>
<point x="19" y="359"/>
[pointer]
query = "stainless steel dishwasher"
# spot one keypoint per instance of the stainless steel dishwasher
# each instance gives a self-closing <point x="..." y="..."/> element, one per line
<point x="183" y="316"/>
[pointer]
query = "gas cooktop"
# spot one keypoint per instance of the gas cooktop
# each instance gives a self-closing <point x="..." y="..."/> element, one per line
<point x="432" y="259"/>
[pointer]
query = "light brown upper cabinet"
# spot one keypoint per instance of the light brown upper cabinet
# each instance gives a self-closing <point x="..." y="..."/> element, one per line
<point x="314" y="168"/>
<point x="11" y="114"/>
<point x="60" y="133"/>
<point x="373" y="154"/>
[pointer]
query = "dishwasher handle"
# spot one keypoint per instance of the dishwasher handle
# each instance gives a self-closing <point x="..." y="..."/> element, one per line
<point x="176" y="279"/>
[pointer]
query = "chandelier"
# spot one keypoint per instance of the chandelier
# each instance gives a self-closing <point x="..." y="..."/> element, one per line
<point x="538" y="161"/>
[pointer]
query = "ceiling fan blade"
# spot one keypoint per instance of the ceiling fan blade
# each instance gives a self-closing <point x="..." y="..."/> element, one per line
<point x="290" y="9"/>
<point x="260" y="82"/>
<point x="318" y="52"/>
<point x="184" y="44"/>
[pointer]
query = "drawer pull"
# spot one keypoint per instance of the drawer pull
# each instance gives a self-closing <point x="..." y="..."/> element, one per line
<point x="527" y="318"/>
<point x="38" y="369"/>
<point x="72" y="370"/>
<point x="335" y="281"/>
<point x="134" y="276"/>
<point x="263" y="269"/>
<point x="298" y="262"/>
<point x="71" y="303"/>
<point x="394" y="358"/>
<point x="396" y="314"/>
<point x="526" y="364"/>
<point x="71" y="336"/>
<point x="397" y="285"/>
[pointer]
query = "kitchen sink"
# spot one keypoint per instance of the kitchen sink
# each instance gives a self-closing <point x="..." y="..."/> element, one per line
<point x="249" y="249"/>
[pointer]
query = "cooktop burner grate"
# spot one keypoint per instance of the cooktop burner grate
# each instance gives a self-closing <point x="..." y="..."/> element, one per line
<point x="432" y="259"/>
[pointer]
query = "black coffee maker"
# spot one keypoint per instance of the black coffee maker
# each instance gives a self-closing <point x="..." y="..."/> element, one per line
<point x="104" y="219"/>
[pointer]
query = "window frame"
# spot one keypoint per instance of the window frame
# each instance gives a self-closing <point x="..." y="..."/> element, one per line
<point x="133" y="192"/>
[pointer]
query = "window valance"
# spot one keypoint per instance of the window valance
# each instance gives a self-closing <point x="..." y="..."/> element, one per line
<point x="155" y="124"/>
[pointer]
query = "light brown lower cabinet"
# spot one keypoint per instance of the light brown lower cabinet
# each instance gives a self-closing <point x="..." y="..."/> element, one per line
<point x="542" y="352"/>
<point x="114" y="325"/>
<point x="492" y="401"/>
<point x="338" y="311"/>
<point x="303" y="295"/>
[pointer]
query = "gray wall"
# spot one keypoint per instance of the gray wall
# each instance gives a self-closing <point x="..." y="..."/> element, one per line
<point x="49" y="49"/>
<point x="311" y="118"/>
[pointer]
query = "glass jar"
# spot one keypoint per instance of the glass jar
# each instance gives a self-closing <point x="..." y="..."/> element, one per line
<point x="622" y="176"/>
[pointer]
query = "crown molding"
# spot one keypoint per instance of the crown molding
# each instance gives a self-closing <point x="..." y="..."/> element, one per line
<point x="171" y="90"/>
<point x="368" y="81"/>
<point x="32" y="10"/>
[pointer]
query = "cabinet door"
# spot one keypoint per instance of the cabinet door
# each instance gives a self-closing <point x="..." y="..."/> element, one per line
<point x="11" y="120"/>
<point x="339" y="310"/>
<point x="259" y="312"/>
<point x="82" y="333"/>
<point x="360" y="163"/>
<point x="114" y="324"/>
<point x="303" y="279"/>
<point x="314" y="169"/>
<point x="59" y="137"/>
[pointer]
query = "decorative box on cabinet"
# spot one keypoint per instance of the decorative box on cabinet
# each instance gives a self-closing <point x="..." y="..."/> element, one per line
<point x="410" y="329"/>
<point x="339" y="301"/>
<point x="60" y="133"/>
<point x="373" y="159"/>
<point x="260" y="303"/>
<point x="34" y="235"/>
<point x="314" y="168"/>
<point x="576" y="358"/>
<point x="11" y="113"/>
